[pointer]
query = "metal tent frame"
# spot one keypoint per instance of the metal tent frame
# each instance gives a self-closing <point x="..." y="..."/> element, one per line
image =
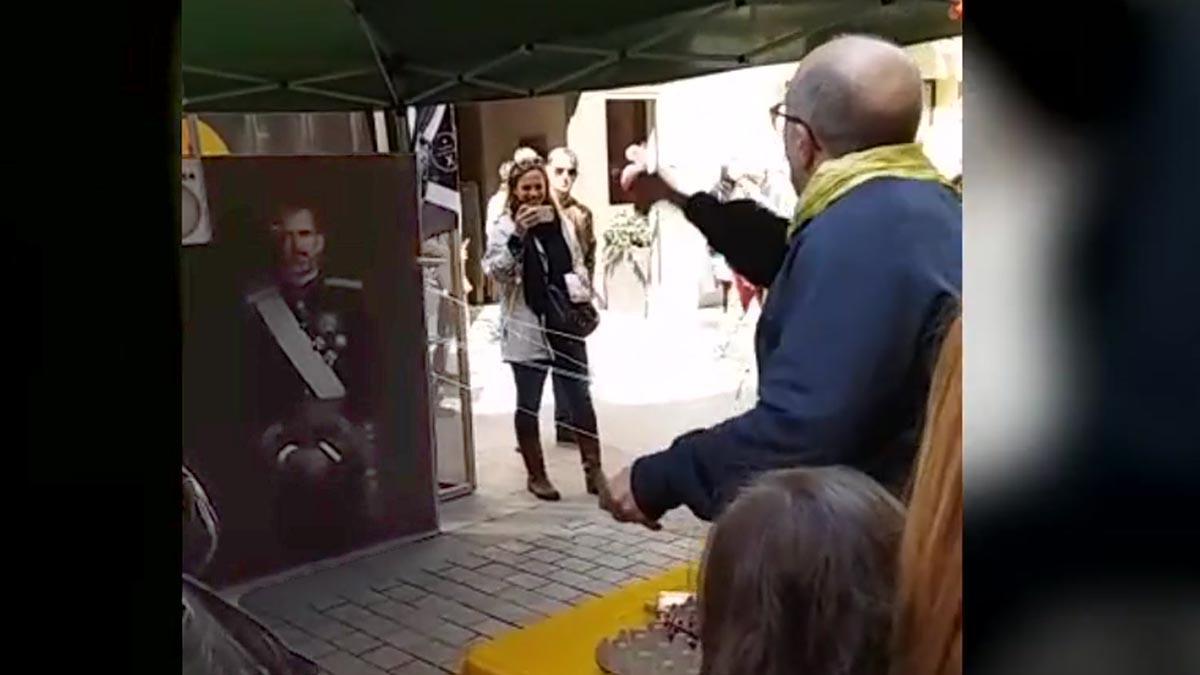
<point x="632" y="54"/>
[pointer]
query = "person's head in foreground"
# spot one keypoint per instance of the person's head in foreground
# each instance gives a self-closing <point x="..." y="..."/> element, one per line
<point x="927" y="639"/>
<point x="526" y="154"/>
<point x="300" y="245"/>
<point x="563" y="169"/>
<point x="850" y="94"/>
<point x="505" y="169"/>
<point x="527" y="185"/>
<point x="798" y="576"/>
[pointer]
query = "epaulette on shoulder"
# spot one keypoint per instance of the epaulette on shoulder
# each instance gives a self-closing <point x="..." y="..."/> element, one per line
<point x="339" y="282"/>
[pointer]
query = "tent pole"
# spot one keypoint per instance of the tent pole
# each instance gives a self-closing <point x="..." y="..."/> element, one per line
<point x="398" y="130"/>
<point x="376" y="52"/>
<point x="194" y="137"/>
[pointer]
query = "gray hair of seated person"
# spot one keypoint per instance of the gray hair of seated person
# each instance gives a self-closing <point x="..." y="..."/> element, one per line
<point x="799" y="575"/>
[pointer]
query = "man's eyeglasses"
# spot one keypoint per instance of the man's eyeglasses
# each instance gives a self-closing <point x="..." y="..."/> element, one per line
<point x="558" y="171"/>
<point x="780" y="118"/>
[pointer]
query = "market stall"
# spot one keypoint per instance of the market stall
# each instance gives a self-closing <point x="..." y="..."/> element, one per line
<point x="279" y="417"/>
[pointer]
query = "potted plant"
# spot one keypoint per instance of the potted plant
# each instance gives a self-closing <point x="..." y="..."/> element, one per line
<point x="627" y="251"/>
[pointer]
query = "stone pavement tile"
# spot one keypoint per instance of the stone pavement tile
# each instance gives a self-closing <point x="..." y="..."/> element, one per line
<point x="462" y="615"/>
<point x="448" y="589"/>
<point x="498" y="570"/>
<point x="363" y="596"/>
<point x="378" y="626"/>
<point x="456" y="573"/>
<point x="558" y="591"/>
<point x="353" y="615"/>
<point x="403" y="592"/>
<point x="515" y="547"/>
<point x="577" y="523"/>
<point x="452" y="611"/>
<point x="464" y="594"/>
<point x="537" y="567"/>
<point x="552" y="543"/>
<point x="356" y="643"/>
<point x="573" y="579"/>
<point x="404" y="638"/>
<point x="387" y="657"/>
<point x="511" y="613"/>
<point x="606" y="574"/>
<point x="341" y="663"/>
<point x="585" y="552"/>
<point x="493" y="628"/>
<point x="396" y="611"/>
<point x="467" y="560"/>
<point x="660" y="548"/>
<point x="533" y="601"/>
<point x="645" y="571"/>
<point x="546" y="555"/>
<point x="596" y="587"/>
<point x="438" y="567"/>
<point x="417" y="667"/>
<point x="440" y="629"/>
<point x="385" y="584"/>
<point x="290" y="634"/>
<point x="576" y="564"/>
<point x="320" y="625"/>
<point x="480" y="582"/>
<point x="652" y="559"/>
<point x="592" y="540"/>
<point x="419" y="578"/>
<point x="434" y="651"/>
<point x="323" y="603"/>
<point x="616" y="562"/>
<point x="527" y="581"/>
<point x="499" y="555"/>
<point x="313" y="648"/>
<point x="484" y="584"/>
<point x="271" y="621"/>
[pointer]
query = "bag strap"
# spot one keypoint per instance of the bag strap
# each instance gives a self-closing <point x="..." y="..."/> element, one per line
<point x="543" y="257"/>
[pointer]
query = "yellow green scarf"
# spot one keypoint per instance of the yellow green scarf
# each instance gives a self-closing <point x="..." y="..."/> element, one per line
<point x="835" y="177"/>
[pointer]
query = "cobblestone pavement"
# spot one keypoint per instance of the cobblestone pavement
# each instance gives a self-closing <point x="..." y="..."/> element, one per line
<point x="501" y="563"/>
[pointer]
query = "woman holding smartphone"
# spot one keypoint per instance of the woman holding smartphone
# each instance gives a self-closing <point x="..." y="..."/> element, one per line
<point x="532" y="254"/>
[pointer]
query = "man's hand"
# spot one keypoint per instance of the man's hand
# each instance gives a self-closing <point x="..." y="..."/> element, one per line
<point x="647" y="187"/>
<point x="620" y="503"/>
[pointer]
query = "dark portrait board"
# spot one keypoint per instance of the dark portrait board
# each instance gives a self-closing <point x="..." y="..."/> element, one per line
<point x="305" y="404"/>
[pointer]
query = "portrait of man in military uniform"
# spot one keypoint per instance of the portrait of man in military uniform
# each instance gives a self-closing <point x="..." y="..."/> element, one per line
<point x="309" y="378"/>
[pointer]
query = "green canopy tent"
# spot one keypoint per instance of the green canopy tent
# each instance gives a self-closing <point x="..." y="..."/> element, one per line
<point x="321" y="55"/>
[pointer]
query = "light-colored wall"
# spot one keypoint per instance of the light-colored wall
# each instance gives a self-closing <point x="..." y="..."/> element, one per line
<point x="941" y="61"/>
<point x="503" y="123"/>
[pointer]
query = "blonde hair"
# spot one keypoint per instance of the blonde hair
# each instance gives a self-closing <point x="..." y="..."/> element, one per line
<point x="927" y="635"/>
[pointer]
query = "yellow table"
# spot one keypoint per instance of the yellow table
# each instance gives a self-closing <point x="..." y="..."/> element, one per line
<point x="565" y="643"/>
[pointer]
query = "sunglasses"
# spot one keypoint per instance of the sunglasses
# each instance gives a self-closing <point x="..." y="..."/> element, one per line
<point x="558" y="171"/>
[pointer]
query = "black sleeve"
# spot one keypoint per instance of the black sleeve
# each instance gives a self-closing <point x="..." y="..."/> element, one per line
<point x="751" y="238"/>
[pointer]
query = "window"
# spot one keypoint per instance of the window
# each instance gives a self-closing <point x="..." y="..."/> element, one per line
<point x="928" y="99"/>
<point x="629" y="121"/>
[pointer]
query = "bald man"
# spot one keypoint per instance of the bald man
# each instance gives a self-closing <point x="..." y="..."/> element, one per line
<point x="861" y="281"/>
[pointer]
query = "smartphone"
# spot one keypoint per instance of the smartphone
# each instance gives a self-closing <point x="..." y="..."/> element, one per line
<point x="545" y="213"/>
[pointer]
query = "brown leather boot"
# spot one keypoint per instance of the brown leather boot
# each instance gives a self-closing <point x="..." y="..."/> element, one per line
<point x="530" y="447"/>
<point x="593" y="475"/>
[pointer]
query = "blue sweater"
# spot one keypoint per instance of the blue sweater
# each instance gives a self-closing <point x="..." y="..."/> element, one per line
<point x="845" y="345"/>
